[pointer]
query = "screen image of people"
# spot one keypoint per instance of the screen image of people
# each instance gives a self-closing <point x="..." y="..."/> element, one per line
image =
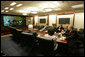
<point x="13" y="20"/>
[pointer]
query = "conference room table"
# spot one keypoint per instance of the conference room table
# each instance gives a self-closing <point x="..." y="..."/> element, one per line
<point x="42" y="33"/>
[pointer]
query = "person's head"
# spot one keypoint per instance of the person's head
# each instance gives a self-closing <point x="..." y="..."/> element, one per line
<point x="30" y="26"/>
<point x="36" y="24"/>
<point x="53" y="24"/>
<point x="60" y="25"/>
<point x="67" y="26"/>
<point x="46" y="24"/>
<point x="51" y="32"/>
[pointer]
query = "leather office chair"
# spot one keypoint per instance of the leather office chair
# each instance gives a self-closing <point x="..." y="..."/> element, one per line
<point x="18" y="35"/>
<point x="81" y="31"/>
<point x="47" y="47"/>
<point x="13" y="31"/>
<point x="28" y="39"/>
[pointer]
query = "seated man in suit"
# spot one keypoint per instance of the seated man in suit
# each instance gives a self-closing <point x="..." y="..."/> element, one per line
<point x="60" y="28"/>
<point x="54" y="27"/>
<point x="36" y="26"/>
<point x="68" y="30"/>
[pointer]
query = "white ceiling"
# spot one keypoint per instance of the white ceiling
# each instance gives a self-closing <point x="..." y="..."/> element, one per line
<point x="64" y="5"/>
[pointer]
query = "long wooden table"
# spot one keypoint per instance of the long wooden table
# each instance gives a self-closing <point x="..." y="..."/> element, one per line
<point x="42" y="33"/>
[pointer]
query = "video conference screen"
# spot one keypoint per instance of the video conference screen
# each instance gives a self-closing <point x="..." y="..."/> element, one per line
<point x="42" y="20"/>
<point x="13" y="20"/>
<point x="64" y="20"/>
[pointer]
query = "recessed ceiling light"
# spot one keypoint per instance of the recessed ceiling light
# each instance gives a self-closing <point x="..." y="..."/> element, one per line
<point x="11" y="8"/>
<point x="12" y="4"/>
<point x="43" y="11"/>
<point x="2" y="10"/>
<point x="34" y="12"/>
<point x="24" y="13"/>
<point x="48" y="10"/>
<point x="6" y="11"/>
<point x="6" y="7"/>
<point x="78" y="6"/>
<point x="19" y="5"/>
<point x="58" y="9"/>
<point x="33" y="9"/>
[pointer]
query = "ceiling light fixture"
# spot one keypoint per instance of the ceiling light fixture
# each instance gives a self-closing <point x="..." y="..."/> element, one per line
<point x="11" y="8"/>
<point x="78" y="6"/>
<point x="12" y="4"/>
<point x="58" y="9"/>
<point x="55" y="3"/>
<point x="48" y="10"/>
<point x="34" y="12"/>
<point x="6" y="7"/>
<point x="19" y="5"/>
<point x="6" y="11"/>
<point x="2" y="10"/>
<point x="33" y="9"/>
<point x="24" y="13"/>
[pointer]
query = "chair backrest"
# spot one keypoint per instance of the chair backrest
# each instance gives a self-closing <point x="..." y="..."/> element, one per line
<point x="81" y="31"/>
<point x="29" y="38"/>
<point x="18" y="33"/>
<point x="46" y="46"/>
<point x="13" y="30"/>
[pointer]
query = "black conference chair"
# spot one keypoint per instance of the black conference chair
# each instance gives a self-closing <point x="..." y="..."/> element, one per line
<point x="18" y="35"/>
<point x="28" y="39"/>
<point x="46" y="47"/>
<point x="73" y="44"/>
<point x="13" y="31"/>
<point x="81" y="31"/>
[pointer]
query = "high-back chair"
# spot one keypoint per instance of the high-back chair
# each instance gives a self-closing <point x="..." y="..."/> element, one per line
<point x="28" y="39"/>
<point x="46" y="47"/>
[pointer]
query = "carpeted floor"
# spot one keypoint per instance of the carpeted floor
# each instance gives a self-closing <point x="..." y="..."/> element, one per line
<point x="11" y="48"/>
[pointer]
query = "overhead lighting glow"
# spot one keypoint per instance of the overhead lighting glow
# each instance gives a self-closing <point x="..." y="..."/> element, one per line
<point x="34" y="12"/>
<point x="58" y="9"/>
<point x="78" y="6"/>
<point x="12" y="4"/>
<point x="2" y="10"/>
<point x="43" y="11"/>
<point x="6" y="11"/>
<point x="48" y="10"/>
<point x="11" y="8"/>
<point x="6" y="7"/>
<point x="49" y="5"/>
<point x="24" y="13"/>
<point x="33" y="9"/>
<point x="55" y="3"/>
<point x="19" y="5"/>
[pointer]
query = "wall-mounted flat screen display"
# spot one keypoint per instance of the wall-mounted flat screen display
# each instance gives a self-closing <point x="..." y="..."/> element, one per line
<point x="42" y="20"/>
<point x="13" y="20"/>
<point x="64" y="20"/>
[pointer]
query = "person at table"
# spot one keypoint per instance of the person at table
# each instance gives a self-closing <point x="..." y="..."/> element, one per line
<point x="54" y="27"/>
<point x="51" y="36"/>
<point x="36" y="26"/>
<point x="68" y="30"/>
<point x="30" y="28"/>
<point x="60" y="28"/>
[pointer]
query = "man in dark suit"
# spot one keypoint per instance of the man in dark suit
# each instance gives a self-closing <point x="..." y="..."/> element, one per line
<point x="60" y="28"/>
